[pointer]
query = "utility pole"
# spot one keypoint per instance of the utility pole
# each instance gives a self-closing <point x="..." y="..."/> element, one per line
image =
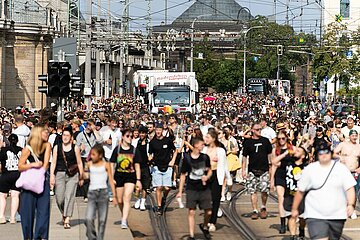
<point x="245" y="35"/>
<point x="88" y="55"/>
<point x="287" y="12"/>
<point x="166" y="12"/>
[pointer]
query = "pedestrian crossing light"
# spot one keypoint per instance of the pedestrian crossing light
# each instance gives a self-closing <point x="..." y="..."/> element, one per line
<point x="280" y="50"/>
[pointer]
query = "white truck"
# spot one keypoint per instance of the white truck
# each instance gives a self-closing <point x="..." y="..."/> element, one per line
<point x="280" y="87"/>
<point x="160" y="88"/>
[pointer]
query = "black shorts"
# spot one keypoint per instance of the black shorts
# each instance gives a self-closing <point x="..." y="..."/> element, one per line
<point x="122" y="178"/>
<point x="322" y="228"/>
<point x="177" y="160"/>
<point x="145" y="178"/>
<point x="8" y="180"/>
<point x="280" y="182"/>
<point x="201" y="198"/>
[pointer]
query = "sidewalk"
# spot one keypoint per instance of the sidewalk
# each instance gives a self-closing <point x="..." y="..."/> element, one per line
<point x="77" y="231"/>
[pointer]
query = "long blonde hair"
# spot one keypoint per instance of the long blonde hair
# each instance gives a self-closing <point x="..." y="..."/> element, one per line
<point x="35" y="140"/>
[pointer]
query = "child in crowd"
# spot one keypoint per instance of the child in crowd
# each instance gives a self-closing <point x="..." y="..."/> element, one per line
<point x="100" y="173"/>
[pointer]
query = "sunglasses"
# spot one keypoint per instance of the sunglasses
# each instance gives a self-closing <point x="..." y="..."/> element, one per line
<point x="129" y="136"/>
<point x="282" y="138"/>
<point x="172" y="118"/>
<point x="321" y="152"/>
<point x="257" y="129"/>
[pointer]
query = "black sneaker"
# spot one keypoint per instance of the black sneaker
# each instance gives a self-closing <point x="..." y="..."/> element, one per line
<point x="293" y="237"/>
<point x="191" y="238"/>
<point x="159" y="211"/>
<point x="205" y="232"/>
<point x="282" y="229"/>
<point x="163" y="202"/>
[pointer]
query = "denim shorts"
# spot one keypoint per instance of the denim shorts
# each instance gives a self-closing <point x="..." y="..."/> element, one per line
<point x="161" y="179"/>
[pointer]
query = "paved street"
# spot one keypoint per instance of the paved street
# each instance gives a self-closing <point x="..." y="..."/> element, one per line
<point x="78" y="230"/>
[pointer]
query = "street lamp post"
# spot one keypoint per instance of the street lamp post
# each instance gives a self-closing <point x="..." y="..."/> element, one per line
<point x="245" y="35"/>
<point x="122" y="47"/>
<point x="192" y="41"/>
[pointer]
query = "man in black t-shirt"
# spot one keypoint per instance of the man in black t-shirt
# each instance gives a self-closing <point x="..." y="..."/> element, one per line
<point x="320" y="139"/>
<point x="162" y="154"/>
<point x="196" y="167"/>
<point x="256" y="158"/>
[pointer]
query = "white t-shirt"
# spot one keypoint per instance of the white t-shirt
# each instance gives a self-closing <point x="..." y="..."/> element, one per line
<point x="106" y="132"/>
<point x="205" y="128"/>
<point x="23" y="133"/>
<point x="345" y="131"/>
<point x="330" y="201"/>
<point x="268" y="133"/>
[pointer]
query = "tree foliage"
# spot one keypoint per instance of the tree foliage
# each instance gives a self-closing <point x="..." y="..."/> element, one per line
<point x="330" y="59"/>
<point x="224" y="74"/>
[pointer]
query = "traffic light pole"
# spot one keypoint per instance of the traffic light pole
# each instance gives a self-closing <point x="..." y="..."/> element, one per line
<point x="60" y="112"/>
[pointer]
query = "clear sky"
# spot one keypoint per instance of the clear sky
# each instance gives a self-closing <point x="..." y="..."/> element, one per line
<point x="303" y="14"/>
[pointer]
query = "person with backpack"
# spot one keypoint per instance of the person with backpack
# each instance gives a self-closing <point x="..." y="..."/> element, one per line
<point x="9" y="160"/>
<point x="85" y="141"/>
<point x="320" y="181"/>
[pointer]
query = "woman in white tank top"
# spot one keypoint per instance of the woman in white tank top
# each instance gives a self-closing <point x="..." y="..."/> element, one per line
<point x="100" y="172"/>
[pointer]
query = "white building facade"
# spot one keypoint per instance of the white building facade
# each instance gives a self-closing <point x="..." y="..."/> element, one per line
<point x="348" y="9"/>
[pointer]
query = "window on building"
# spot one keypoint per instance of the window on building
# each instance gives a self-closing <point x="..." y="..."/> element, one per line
<point x="345" y="8"/>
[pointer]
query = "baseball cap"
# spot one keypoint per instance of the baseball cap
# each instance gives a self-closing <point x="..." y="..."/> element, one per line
<point x="323" y="148"/>
<point x="350" y="116"/>
<point x="7" y="127"/>
<point x="353" y="131"/>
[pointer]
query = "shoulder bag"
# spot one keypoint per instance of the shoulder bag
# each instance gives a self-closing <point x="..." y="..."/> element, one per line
<point x="233" y="160"/>
<point x="32" y="179"/>
<point x="72" y="169"/>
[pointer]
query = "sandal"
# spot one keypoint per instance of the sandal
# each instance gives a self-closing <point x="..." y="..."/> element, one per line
<point x="3" y="220"/>
<point x="67" y="226"/>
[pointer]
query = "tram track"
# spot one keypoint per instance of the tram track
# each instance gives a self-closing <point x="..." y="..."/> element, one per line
<point x="234" y="219"/>
<point x="159" y="223"/>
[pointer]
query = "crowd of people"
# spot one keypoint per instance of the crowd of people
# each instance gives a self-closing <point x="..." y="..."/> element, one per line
<point x="115" y="149"/>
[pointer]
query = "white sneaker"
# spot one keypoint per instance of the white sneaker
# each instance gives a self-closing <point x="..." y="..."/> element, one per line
<point x="353" y="215"/>
<point x="142" y="204"/>
<point x="124" y="225"/>
<point x="222" y="199"/>
<point x="181" y="204"/>
<point x="220" y="213"/>
<point x="212" y="227"/>
<point x="228" y="196"/>
<point x="137" y="204"/>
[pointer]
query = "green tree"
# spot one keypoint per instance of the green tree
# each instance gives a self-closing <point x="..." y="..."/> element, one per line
<point x="330" y="59"/>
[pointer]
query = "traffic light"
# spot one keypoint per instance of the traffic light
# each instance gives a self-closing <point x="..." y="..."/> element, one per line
<point x="280" y="50"/>
<point x="53" y="79"/>
<point x="64" y="79"/>
<point x="76" y="85"/>
<point x="43" y="89"/>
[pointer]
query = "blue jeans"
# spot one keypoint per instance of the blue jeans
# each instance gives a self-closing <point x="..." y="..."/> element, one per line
<point x="37" y="206"/>
<point x="97" y="203"/>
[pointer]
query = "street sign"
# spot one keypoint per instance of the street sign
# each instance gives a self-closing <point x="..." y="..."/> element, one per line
<point x="349" y="54"/>
<point x="87" y="92"/>
<point x="326" y="79"/>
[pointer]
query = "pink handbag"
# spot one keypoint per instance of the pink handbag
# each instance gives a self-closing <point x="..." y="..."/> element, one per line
<point x="32" y="179"/>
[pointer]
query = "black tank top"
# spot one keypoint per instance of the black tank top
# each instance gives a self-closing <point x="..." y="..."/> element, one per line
<point x="70" y="158"/>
